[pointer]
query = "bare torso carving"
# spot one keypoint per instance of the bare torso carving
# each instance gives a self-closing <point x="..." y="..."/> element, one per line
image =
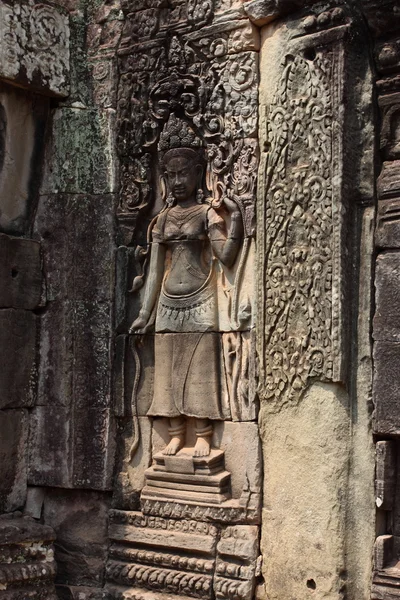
<point x="186" y="239"/>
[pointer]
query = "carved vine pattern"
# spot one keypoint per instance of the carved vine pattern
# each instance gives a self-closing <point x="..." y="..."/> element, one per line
<point x="300" y="219"/>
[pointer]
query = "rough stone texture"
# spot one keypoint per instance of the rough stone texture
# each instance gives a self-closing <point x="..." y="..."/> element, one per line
<point x="18" y="375"/>
<point x="27" y="566"/>
<point x="23" y="119"/>
<point x="72" y="592"/>
<point x="317" y="450"/>
<point x="131" y="465"/>
<point x="388" y="224"/>
<point x="36" y="46"/>
<point x="74" y="376"/>
<point x="80" y="158"/>
<point x="387" y="346"/>
<point x="386" y="318"/>
<point x="303" y="495"/>
<point x="13" y="447"/>
<point x="20" y="273"/>
<point x="79" y="519"/>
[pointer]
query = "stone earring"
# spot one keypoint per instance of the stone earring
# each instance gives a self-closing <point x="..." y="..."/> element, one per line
<point x="199" y="196"/>
<point x="170" y="200"/>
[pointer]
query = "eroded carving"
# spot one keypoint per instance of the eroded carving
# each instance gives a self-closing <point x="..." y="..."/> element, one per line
<point x="187" y="238"/>
<point x="302" y="244"/>
<point x="36" y="46"/>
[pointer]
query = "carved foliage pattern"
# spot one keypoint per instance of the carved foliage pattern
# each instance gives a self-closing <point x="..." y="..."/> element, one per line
<point x="218" y="100"/>
<point x="300" y="225"/>
<point x="35" y="39"/>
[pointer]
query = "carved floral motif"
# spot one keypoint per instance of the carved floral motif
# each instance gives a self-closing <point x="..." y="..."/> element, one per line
<point x="36" y="45"/>
<point x="301" y="221"/>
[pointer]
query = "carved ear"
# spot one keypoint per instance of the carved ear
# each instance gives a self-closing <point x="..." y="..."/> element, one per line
<point x="164" y="188"/>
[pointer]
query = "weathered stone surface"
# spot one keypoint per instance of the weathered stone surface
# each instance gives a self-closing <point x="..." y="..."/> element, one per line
<point x="18" y="374"/>
<point x="75" y="349"/>
<point x="382" y="16"/>
<point x="72" y="592"/>
<point x="13" y="449"/>
<point x="385" y="474"/>
<point x="79" y="519"/>
<point x="81" y="157"/>
<point x="27" y="566"/>
<point x="390" y="127"/>
<point x="383" y="551"/>
<point x="237" y="553"/>
<point x="23" y="120"/>
<point x="387" y="317"/>
<point x="71" y="448"/>
<point x="134" y="456"/>
<point x="386" y="398"/>
<point x="36" y="46"/>
<point x="145" y="551"/>
<point x="303" y="493"/>
<point x="309" y="257"/>
<point x="50" y="452"/>
<point x="388" y="224"/>
<point x="245" y="466"/>
<point x="20" y="273"/>
<point x="389" y="179"/>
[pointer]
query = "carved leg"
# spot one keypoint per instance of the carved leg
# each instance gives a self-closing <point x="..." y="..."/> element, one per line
<point x="204" y="430"/>
<point x="177" y="432"/>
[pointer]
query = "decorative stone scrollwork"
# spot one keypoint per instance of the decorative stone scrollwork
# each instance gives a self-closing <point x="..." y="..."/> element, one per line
<point x="302" y="219"/>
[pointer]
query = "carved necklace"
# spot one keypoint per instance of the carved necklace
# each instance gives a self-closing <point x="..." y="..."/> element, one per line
<point x="183" y="215"/>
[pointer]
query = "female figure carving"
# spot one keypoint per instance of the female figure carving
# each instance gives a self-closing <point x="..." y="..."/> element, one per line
<point x="187" y="238"/>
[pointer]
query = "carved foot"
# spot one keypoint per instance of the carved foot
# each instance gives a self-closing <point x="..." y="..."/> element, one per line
<point x="202" y="447"/>
<point x="174" y="446"/>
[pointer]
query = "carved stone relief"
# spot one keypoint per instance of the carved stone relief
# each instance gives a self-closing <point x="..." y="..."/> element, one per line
<point x="35" y="46"/>
<point x="185" y="360"/>
<point x="302" y="238"/>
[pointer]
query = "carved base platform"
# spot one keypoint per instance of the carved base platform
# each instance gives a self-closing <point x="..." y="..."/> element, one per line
<point x="185" y="477"/>
<point x="153" y="558"/>
<point x="27" y="567"/>
<point x="386" y="584"/>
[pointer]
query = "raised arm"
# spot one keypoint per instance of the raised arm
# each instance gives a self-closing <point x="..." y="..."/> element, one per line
<point x="152" y="286"/>
<point x="226" y="241"/>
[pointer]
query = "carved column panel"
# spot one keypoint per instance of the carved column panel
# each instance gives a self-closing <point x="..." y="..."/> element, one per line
<point x="187" y="498"/>
<point x="312" y="230"/>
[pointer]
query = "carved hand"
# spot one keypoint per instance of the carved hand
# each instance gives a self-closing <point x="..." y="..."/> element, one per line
<point x="140" y="324"/>
<point x="230" y="206"/>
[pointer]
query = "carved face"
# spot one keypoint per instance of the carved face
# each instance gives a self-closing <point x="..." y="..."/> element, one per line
<point x="182" y="176"/>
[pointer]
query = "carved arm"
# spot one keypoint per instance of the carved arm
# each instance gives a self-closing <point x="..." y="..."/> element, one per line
<point x="153" y="286"/>
<point x="226" y="244"/>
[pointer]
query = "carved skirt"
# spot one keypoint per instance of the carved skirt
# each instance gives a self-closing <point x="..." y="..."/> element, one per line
<point x="187" y="375"/>
<point x="194" y="312"/>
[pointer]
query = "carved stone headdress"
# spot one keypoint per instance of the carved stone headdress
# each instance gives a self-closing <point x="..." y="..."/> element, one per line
<point x="179" y="139"/>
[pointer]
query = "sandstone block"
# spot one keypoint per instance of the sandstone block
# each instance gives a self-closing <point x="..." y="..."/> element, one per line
<point x="36" y="46"/>
<point x="388" y="224"/>
<point x="18" y="374"/>
<point x="386" y="398"/>
<point x="20" y="273"/>
<point x="13" y="449"/>
<point x="23" y="119"/>
<point x="389" y="179"/>
<point x="75" y="349"/>
<point x="80" y="158"/>
<point x="387" y="314"/>
<point x="79" y="519"/>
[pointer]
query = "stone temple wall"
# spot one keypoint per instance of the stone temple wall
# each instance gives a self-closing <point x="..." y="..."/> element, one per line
<point x="198" y="292"/>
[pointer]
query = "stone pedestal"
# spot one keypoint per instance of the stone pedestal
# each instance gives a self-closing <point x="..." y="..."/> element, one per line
<point x="184" y="477"/>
